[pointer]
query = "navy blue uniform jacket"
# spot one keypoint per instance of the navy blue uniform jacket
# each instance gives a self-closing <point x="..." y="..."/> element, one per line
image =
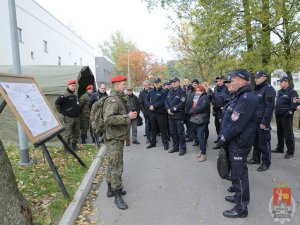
<point x="285" y="104"/>
<point x="176" y="103"/>
<point x="266" y="103"/>
<point x="157" y="98"/>
<point x="239" y="120"/>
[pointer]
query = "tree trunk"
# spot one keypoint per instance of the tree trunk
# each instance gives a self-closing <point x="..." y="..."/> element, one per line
<point x="265" y="34"/>
<point x="14" y="209"/>
<point x="248" y="32"/>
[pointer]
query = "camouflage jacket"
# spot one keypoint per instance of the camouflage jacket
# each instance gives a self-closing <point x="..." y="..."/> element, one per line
<point x="115" y="116"/>
<point x="84" y="105"/>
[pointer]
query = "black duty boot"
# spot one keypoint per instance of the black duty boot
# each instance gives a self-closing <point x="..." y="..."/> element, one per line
<point x="151" y="146"/>
<point x="110" y="193"/>
<point x="166" y="147"/>
<point x="173" y="150"/>
<point x="196" y="143"/>
<point x="182" y="152"/>
<point x="83" y="141"/>
<point x="119" y="201"/>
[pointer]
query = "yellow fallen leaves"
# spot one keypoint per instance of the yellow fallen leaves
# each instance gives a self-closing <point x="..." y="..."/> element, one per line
<point x="37" y="184"/>
<point x="87" y="212"/>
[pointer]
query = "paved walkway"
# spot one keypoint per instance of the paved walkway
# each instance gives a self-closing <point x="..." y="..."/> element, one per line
<point x="166" y="189"/>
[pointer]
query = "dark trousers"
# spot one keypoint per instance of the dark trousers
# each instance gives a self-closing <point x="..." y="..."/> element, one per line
<point x="189" y="128"/>
<point x="177" y="134"/>
<point x="262" y="146"/>
<point x="168" y="127"/>
<point x="285" y="132"/>
<point x="148" y="127"/>
<point x="158" y="121"/>
<point x="218" y="116"/>
<point x="201" y="137"/>
<point x="206" y="132"/>
<point x="239" y="176"/>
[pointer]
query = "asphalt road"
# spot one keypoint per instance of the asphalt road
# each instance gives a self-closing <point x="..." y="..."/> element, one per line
<point x="167" y="189"/>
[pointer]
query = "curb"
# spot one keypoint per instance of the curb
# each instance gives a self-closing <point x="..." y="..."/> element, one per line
<point x="76" y="204"/>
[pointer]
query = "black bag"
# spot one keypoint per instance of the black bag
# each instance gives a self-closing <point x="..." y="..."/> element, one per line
<point x="139" y="120"/>
<point x="198" y="118"/>
<point x="223" y="164"/>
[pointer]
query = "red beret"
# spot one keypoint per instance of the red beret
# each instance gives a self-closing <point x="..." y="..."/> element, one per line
<point x="72" y="82"/>
<point x="90" y="87"/>
<point x="118" y="78"/>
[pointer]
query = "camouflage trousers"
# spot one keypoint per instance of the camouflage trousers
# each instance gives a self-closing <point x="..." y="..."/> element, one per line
<point x="114" y="153"/>
<point x="84" y="127"/>
<point x="72" y="129"/>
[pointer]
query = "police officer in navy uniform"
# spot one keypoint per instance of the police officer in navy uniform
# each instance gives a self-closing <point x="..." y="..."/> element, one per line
<point x="218" y="101"/>
<point x="156" y="104"/>
<point x="175" y="106"/>
<point x="237" y="135"/>
<point x="286" y="104"/>
<point x="266" y="104"/>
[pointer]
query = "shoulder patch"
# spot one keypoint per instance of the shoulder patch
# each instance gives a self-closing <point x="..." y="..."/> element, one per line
<point x="235" y="116"/>
<point x="62" y="96"/>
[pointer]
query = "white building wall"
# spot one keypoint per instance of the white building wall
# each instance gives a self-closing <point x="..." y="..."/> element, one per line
<point x="38" y="26"/>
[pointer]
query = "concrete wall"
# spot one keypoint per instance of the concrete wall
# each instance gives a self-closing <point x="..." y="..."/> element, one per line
<point x="104" y="70"/>
<point x="39" y="26"/>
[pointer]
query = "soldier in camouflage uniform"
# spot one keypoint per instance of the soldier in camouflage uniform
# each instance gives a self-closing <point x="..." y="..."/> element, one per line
<point x="116" y="120"/>
<point x="68" y="105"/>
<point x="85" y="112"/>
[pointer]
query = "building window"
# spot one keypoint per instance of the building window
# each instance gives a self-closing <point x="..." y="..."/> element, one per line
<point x="20" y="38"/>
<point x="80" y="61"/>
<point x="32" y="55"/>
<point x="45" y="46"/>
<point x="59" y="60"/>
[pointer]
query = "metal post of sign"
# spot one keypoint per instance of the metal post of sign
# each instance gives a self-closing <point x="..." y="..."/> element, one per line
<point x="24" y="155"/>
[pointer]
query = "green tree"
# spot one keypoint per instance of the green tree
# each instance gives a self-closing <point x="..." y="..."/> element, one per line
<point x="215" y="36"/>
<point x="116" y="46"/>
<point x="287" y="28"/>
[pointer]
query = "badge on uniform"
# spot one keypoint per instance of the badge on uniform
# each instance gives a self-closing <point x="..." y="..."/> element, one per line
<point x="235" y="116"/>
<point x="182" y="99"/>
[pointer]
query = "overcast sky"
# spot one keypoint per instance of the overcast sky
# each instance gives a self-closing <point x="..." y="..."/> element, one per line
<point x="95" y="20"/>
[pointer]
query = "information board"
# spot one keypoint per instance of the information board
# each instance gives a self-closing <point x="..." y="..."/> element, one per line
<point x="30" y="106"/>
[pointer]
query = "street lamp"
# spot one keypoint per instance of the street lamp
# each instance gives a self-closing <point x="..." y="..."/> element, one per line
<point x="128" y="68"/>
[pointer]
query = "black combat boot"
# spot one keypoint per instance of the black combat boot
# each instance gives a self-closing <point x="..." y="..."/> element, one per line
<point x="119" y="201"/>
<point x="110" y="193"/>
<point x="83" y="141"/>
<point x="182" y="152"/>
<point x="67" y="151"/>
<point x="75" y="147"/>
